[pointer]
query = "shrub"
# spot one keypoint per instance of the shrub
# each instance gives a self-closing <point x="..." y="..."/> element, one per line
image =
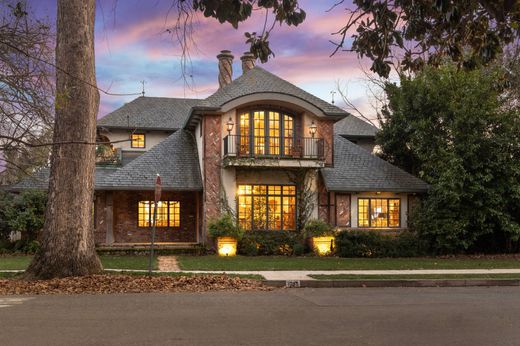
<point x="317" y="228"/>
<point x="224" y="226"/>
<point x="374" y="244"/>
<point x="268" y="243"/>
<point x="24" y="212"/>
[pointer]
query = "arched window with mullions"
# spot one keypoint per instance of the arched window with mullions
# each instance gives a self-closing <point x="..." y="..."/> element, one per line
<point x="266" y="133"/>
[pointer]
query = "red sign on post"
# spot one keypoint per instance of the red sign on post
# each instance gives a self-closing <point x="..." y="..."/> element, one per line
<point x="157" y="189"/>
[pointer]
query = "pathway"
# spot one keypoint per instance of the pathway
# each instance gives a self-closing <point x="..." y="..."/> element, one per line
<point x="168" y="264"/>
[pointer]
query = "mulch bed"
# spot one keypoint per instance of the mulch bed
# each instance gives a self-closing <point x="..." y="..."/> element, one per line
<point x="109" y="284"/>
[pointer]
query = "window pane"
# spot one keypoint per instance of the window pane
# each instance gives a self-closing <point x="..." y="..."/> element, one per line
<point x="259" y="213"/>
<point x="288" y="133"/>
<point x="175" y="213"/>
<point x="363" y="212"/>
<point x="275" y="213"/>
<point x="244" y="134"/>
<point x="258" y="189"/>
<point x="378" y="213"/>
<point x="394" y="212"/>
<point x="274" y="133"/>
<point x="162" y="214"/>
<point x="137" y="140"/>
<point x="143" y="214"/>
<point x="289" y="213"/>
<point x="259" y="132"/>
<point x="289" y="190"/>
<point x="245" y="212"/>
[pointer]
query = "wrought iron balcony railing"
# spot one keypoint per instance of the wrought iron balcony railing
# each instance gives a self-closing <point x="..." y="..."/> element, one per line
<point x="274" y="147"/>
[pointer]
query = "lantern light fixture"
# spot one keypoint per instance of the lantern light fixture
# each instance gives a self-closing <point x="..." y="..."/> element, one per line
<point x="312" y="129"/>
<point x="230" y="124"/>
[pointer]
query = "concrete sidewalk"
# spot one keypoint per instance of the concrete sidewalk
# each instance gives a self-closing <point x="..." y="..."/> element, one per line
<point x="304" y="274"/>
<point x="277" y="275"/>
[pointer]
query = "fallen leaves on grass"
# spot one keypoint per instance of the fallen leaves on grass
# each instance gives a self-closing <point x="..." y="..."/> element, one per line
<point x="107" y="284"/>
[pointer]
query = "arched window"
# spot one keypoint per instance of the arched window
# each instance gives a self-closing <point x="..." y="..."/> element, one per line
<point x="266" y="133"/>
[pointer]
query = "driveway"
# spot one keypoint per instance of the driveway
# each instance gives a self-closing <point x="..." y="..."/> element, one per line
<point x="355" y="316"/>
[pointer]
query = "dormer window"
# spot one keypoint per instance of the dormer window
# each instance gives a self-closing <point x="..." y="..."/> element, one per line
<point x="137" y="140"/>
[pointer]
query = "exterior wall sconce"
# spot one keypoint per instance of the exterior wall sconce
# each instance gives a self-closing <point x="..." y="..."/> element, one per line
<point x="226" y="246"/>
<point x="312" y="129"/>
<point x="230" y="125"/>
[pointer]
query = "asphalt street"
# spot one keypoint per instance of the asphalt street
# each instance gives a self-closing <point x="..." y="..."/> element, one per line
<point x="354" y="316"/>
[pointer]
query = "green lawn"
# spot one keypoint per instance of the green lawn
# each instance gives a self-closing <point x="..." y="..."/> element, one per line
<point x="415" y="277"/>
<point x="112" y="262"/>
<point x="332" y="263"/>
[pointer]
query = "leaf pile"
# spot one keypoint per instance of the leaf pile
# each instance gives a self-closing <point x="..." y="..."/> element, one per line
<point x="109" y="284"/>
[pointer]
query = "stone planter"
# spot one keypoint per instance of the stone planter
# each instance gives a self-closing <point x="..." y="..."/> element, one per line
<point x="226" y="246"/>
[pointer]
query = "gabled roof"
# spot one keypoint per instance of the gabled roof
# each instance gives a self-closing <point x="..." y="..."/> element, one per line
<point x="258" y="80"/>
<point x="354" y="127"/>
<point x="152" y="113"/>
<point x="356" y="170"/>
<point x="175" y="159"/>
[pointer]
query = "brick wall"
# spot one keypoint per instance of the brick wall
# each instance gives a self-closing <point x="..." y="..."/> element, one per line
<point x="125" y="227"/>
<point x="212" y="161"/>
<point x="323" y="201"/>
<point x="326" y="131"/>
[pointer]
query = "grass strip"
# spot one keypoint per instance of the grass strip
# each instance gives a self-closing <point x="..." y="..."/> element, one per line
<point x="414" y="276"/>
<point x="243" y="263"/>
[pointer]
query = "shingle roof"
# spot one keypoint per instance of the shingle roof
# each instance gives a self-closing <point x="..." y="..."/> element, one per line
<point x="151" y="113"/>
<point x="259" y="80"/>
<point x="40" y="180"/>
<point x="355" y="169"/>
<point x="175" y="159"/>
<point x="352" y="126"/>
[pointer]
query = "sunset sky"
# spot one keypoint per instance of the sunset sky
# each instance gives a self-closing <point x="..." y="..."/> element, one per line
<point x="132" y="45"/>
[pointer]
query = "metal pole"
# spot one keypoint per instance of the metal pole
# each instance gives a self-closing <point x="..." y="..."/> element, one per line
<point x="153" y="239"/>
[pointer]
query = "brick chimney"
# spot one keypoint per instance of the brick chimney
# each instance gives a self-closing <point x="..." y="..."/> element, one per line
<point x="225" y="68"/>
<point x="248" y="62"/>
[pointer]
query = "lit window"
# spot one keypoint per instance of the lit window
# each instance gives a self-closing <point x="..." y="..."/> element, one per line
<point x="378" y="212"/>
<point x="267" y="207"/>
<point x="168" y="214"/>
<point x="266" y="133"/>
<point x="137" y="140"/>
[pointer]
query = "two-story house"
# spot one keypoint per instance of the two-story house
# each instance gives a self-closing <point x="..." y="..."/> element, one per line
<point x="259" y="147"/>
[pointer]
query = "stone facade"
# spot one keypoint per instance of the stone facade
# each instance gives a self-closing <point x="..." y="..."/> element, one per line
<point x="125" y="227"/>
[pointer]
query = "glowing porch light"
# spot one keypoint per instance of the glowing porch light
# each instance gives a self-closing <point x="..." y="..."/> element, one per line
<point x="226" y="246"/>
<point x="323" y="245"/>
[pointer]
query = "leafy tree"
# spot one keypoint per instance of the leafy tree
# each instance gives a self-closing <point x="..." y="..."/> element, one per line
<point x="453" y="129"/>
<point x="410" y="32"/>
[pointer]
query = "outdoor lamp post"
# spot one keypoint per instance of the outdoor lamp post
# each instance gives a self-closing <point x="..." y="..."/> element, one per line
<point x="312" y="129"/>
<point x="230" y="125"/>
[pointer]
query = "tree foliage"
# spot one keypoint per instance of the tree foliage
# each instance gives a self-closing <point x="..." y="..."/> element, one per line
<point x="411" y="33"/>
<point x="455" y="130"/>
<point x="415" y="33"/>
<point x="22" y="212"/>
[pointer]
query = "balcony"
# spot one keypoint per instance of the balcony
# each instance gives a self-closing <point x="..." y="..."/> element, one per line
<point x="268" y="151"/>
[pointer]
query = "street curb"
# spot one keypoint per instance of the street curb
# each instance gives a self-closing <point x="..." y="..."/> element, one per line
<point x="389" y="283"/>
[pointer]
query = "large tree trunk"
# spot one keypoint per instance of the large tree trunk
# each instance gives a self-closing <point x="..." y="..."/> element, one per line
<point x="67" y="236"/>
